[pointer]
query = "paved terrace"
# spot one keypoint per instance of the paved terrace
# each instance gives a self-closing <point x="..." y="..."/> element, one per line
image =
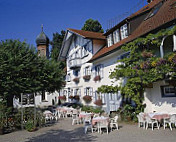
<point x="63" y="131"/>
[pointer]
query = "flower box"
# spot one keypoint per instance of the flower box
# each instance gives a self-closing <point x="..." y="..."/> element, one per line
<point x="63" y="98"/>
<point x="98" y="102"/>
<point x="97" y="78"/>
<point x="76" y="80"/>
<point x="76" y="97"/>
<point x="87" y="99"/>
<point x="86" y="77"/>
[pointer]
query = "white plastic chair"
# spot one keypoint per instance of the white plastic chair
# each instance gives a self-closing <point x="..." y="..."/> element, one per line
<point x="103" y="124"/>
<point x="170" y="121"/>
<point x="151" y="121"/>
<point x="141" y="120"/>
<point x="113" y="122"/>
<point x="68" y="113"/>
<point x="75" y="119"/>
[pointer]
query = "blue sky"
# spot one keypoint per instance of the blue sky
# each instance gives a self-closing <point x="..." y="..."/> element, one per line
<point x="22" y="19"/>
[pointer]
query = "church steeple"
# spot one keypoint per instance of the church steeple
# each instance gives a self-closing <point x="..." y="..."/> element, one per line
<point x="42" y="42"/>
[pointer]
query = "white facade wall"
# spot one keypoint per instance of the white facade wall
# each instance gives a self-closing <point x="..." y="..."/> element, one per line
<point x="155" y="102"/>
<point x="50" y="98"/>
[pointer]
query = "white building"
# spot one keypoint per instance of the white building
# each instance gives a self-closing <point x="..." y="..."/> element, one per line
<point x="89" y="55"/>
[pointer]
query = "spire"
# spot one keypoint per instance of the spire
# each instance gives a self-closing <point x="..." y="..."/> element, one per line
<point x="42" y="27"/>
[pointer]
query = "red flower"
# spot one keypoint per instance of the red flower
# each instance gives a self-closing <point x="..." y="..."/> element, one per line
<point x="62" y="97"/>
<point x="86" y="77"/>
<point x="97" y="78"/>
<point x="87" y="99"/>
<point x="98" y="102"/>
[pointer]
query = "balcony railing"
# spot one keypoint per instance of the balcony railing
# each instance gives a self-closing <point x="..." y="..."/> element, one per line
<point x="75" y="63"/>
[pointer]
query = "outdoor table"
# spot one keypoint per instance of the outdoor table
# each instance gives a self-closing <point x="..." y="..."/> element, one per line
<point x="98" y="119"/>
<point x="159" y="116"/>
<point x="84" y="115"/>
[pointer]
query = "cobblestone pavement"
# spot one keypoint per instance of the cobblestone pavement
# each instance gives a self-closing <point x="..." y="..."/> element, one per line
<point x="63" y="131"/>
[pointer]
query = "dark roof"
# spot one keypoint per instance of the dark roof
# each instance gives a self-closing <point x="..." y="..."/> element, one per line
<point x="166" y="14"/>
<point x="88" y="34"/>
<point x="42" y="39"/>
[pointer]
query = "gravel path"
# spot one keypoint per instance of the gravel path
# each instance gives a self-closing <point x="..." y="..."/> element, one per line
<point x="63" y="131"/>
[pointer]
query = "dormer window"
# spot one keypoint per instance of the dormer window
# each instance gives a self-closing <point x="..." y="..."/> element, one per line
<point x="110" y="40"/>
<point x="116" y="36"/>
<point x="154" y="11"/>
<point x="124" y="31"/>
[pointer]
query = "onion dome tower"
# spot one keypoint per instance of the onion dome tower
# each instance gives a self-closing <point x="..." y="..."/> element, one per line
<point x="42" y="42"/>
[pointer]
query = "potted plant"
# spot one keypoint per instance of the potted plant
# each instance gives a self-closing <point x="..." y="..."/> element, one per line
<point x="87" y="99"/>
<point x="76" y="80"/>
<point x="97" y="78"/>
<point x="86" y="77"/>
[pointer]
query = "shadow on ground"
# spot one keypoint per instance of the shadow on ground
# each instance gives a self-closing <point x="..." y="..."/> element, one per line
<point x="76" y="135"/>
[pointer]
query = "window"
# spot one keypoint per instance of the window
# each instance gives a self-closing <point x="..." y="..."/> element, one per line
<point x="116" y="36"/>
<point x="76" y="73"/>
<point x="43" y="96"/>
<point x="154" y="11"/>
<point x="124" y="31"/>
<point x="68" y="78"/>
<point x="110" y="40"/>
<point x="87" y="71"/>
<point x="168" y="45"/>
<point x="77" y="92"/>
<point x="99" y="70"/>
<point x="88" y="91"/>
<point x="168" y="91"/>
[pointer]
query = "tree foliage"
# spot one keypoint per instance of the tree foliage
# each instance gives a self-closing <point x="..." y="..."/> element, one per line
<point x="22" y="71"/>
<point x="92" y="25"/>
<point x="57" y="44"/>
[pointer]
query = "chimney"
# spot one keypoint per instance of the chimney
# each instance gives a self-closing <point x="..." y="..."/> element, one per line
<point x="149" y="1"/>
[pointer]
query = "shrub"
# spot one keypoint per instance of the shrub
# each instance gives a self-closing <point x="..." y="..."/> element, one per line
<point x="87" y="99"/>
<point x="29" y="126"/>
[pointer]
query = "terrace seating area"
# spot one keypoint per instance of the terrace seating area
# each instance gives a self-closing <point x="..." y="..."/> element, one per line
<point x="156" y="120"/>
<point x="93" y="122"/>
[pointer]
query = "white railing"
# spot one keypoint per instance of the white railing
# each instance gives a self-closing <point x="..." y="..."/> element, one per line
<point x="75" y="63"/>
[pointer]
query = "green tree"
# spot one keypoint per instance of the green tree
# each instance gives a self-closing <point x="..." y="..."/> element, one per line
<point x="92" y="25"/>
<point x="57" y="44"/>
<point x="22" y="71"/>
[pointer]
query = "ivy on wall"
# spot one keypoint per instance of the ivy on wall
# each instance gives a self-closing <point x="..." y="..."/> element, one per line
<point x="143" y="67"/>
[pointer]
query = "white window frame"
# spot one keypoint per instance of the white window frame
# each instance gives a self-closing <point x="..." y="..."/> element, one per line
<point x="88" y="91"/>
<point x="110" y="40"/>
<point x="124" y="31"/>
<point x="165" y="92"/>
<point x="116" y="36"/>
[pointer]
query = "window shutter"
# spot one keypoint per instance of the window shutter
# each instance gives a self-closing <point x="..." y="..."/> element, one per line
<point x="101" y="70"/>
<point x="85" y="92"/>
<point x="74" y="92"/>
<point x="93" y="72"/>
<point x="79" y="91"/>
<point x="84" y="71"/>
<point x="91" y="91"/>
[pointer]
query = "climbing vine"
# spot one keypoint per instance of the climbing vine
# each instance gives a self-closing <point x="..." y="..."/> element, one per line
<point x="143" y="66"/>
